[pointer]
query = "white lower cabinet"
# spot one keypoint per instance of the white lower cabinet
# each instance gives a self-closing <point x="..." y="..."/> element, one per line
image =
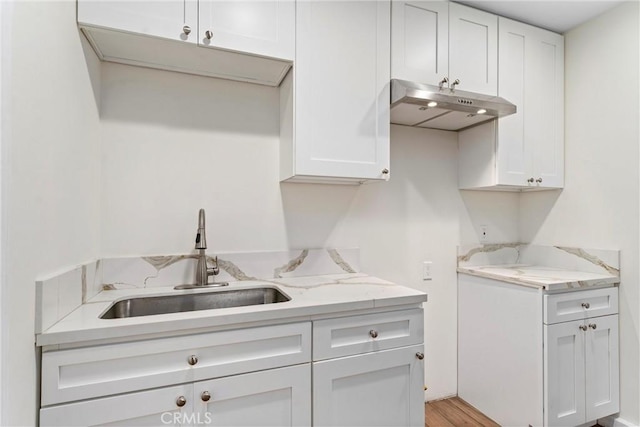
<point x="276" y="397"/>
<point x="146" y="408"/>
<point x="366" y="370"/>
<point x="581" y="368"/>
<point x="526" y="357"/>
<point x="383" y="388"/>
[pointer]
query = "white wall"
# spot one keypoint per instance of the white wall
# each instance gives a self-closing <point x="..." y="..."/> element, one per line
<point x="51" y="178"/>
<point x="173" y="143"/>
<point x="600" y="204"/>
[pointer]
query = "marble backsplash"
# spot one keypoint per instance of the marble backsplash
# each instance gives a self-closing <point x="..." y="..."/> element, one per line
<point x="567" y="258"/>
<point x="59" y="294"/>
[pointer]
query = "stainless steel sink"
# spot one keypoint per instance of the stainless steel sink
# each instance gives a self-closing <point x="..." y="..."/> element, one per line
<point x="146" y="306"/>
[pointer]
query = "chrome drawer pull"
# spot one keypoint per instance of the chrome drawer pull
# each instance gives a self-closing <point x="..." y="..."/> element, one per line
<point x="586" y="305"/>
<point x="181" y="401"/>
<point x="373" y="333"/>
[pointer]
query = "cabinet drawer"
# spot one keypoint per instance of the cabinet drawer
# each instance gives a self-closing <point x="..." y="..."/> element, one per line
<point x="362" y="334"/>
<point x="83" y="373"/>
<point x="580" y="305"/>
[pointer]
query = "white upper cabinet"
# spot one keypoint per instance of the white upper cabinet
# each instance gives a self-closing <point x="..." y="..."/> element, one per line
<point x="473" y="49"/>
<point x="335" y="104"/>
<point x="532" y="77"/>
<point x="170" y="19"/>
<point x="259" y="27"/>
<point x="524" y="150"/>
<point x="420" y="41"/>
<point x="253" y="41"/>
<point x="434" y="40"/>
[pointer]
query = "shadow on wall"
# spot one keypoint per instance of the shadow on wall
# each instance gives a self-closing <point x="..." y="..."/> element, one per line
<point x="93" y="67"/>
<point x="535" y="208"/>
<point x="312" y="212"/>
<point x="196" y="103"/>
<point x="499" y="215"/>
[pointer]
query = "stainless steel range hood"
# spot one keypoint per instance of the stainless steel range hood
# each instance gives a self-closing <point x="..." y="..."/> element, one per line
<point x="427" y="106"/>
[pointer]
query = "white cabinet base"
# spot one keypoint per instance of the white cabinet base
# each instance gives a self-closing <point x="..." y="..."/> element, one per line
<point x="382" y="388"/>
<point x="500" y="350"/>
<point x="519" y="370"/>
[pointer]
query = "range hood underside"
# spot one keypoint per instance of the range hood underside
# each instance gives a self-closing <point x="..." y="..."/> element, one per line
<point x="435" y="118"/>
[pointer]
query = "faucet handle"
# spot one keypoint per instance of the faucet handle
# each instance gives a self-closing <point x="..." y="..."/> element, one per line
<point x="215" y="270"/>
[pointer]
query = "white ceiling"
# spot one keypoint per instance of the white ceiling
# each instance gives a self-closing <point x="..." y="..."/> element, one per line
<point x="558" y="16"/>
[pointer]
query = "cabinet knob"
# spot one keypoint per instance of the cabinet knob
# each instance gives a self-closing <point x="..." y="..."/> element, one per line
<point x="593" y="326"/>
<point x="181" y="401"/>
<point x="186" y="29"/>
<point x="385" y="171"/>
<point x="582" y="327"/>
<point x="585" y="305"/>
<point x="373" y="333"/>
<point x="442" y="82"/>
<point x="455" y="83"/>
<point x="192" y="360"/>
<point x="539" y="180"/>
<point x="205" y="396"/>
<point x="530" y="180"/>
<point x="208" y="34"/>
<point x="420" y="355"/>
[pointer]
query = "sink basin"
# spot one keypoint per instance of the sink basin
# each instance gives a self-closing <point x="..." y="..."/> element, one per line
<point x="146" y="306"/>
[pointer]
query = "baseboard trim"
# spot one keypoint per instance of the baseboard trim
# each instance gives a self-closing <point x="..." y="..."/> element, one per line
<point x="614" y="421"/>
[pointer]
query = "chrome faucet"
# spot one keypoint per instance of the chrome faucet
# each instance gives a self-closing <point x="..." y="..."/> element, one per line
<point x="202" y="271"/>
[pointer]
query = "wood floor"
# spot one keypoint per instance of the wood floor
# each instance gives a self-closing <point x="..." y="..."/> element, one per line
<point x="454" y="412"/>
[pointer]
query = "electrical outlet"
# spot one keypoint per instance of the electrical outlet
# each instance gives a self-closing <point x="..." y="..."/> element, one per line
<point x="484" y="233"/>
<point x="426" y="270"/>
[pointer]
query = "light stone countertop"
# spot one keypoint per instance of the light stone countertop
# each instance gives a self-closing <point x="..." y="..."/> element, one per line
<point x="311" y="297"/>
<point x="546" y="278"/>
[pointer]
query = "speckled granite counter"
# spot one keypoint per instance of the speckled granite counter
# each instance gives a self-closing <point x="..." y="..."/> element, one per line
<point x="551" y="268"/>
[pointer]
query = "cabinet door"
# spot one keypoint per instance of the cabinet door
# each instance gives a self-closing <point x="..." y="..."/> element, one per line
<point x="420" y="41"/>
<point x="376" y="389"/>
<point x="276" y="397"/>
<point x="531" y="75"/>
<point x="342" y="89"/>
<point x="164" y="18"/>
<point x="602" y="369"/>
<point x="260" y="27"/>
<point x="147" y="408"/>
<point x="473" y="49"/>
<point x="515" y="158"/>
<point x="564" y="373"/>
<point x="544" y="119"/>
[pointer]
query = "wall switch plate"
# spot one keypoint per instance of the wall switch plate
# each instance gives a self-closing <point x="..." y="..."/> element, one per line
<point x="426" y="270"/>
